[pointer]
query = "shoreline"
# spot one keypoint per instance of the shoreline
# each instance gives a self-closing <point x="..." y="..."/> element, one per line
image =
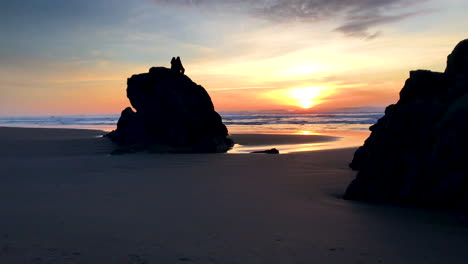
<point x="294" y="142"/>
<point x="286" y="143"/>
<point x="64" y="199"/>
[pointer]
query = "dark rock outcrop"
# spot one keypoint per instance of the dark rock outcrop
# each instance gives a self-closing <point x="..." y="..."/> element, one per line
<point x="269" y="151"/>
<point x="173" y="114"/>
<point x="418" y="151"/>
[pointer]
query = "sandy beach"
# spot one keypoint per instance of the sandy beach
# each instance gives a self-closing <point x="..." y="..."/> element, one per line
<point x="64" y="199"/>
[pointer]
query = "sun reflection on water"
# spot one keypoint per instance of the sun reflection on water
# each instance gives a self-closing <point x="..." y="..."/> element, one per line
<point x="343" y="139"/>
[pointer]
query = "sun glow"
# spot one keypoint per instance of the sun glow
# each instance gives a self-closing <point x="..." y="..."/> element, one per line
<point x="307" y="97"/>
<point x="306" y="133"/>
<point x="303" y="97"/>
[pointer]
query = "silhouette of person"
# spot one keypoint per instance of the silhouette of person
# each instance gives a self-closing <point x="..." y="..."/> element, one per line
<point x="176" y="65"/>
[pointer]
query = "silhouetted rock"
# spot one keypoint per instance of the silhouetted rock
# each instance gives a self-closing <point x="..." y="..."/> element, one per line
<point x="418" y="151"/>
<point x="457" y="61"/>
<point x="173" y="114"/>
<point x="269" y="151"/>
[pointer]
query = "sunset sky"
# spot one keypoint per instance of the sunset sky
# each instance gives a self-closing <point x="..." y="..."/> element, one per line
<point x="74" y="57"/>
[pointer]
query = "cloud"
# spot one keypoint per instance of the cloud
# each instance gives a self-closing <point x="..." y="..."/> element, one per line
<point x="358" y="18"/>
<point x="360" y="26"/>
<point x="58" y="13"/>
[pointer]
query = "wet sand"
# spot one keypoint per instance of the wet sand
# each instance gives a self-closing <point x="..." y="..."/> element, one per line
<point x="64" y="199"/>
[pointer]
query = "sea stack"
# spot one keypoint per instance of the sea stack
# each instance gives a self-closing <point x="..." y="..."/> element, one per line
<point x="173" y="114"/>
<point x="417" y="152"/>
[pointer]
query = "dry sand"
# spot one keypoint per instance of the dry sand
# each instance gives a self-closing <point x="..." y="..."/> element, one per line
<point x="63" y="199"/>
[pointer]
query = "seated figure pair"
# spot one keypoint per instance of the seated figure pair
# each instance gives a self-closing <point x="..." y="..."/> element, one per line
<point x="176" y="65"/>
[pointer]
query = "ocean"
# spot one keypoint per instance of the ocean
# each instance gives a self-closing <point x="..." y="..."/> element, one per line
<point x="349" y="128"/>
<point x="237" y="122"/>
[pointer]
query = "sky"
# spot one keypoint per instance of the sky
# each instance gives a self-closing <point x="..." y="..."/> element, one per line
<point x="74" y="57"/>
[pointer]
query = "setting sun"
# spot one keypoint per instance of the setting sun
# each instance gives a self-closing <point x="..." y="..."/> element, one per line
<point x="303" y="97"/>
<point x="306" y="97"/>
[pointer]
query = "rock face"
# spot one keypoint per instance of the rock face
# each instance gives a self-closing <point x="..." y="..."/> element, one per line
<point x="173" y="114"/>
<point x="269" y="151"/>
<point x="418" y="151"/>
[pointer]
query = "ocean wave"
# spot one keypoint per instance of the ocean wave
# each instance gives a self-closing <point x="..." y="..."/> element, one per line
<point x="346" y="121"/>
<point x="60" y="120"/>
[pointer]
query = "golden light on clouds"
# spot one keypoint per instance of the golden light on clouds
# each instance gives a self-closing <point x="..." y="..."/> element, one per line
<point x="298" y="70"/>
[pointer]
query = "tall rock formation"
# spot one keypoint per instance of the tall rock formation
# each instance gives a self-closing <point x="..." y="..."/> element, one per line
<point x="418" y="151"/>
<point x="173" y="114"/>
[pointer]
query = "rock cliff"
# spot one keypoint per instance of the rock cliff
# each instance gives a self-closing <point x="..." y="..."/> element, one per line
<point x="418" y="151"/>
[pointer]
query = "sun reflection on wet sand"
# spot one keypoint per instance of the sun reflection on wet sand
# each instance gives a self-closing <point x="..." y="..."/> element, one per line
<point x="343" y="139"/>
<point x="307" y="132"/>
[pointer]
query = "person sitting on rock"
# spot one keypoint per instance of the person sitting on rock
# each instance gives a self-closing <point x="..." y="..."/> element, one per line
<point x="176" y="65"/>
